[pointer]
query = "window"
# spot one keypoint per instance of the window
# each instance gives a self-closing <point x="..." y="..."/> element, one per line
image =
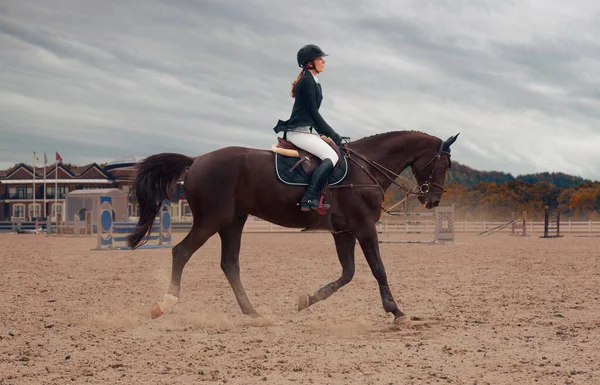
<point x="35" y="210"/>
<point x="126" y="188"/>
<point x="187" y="212"/>
<point x="56" y="207"/>
<point x="133" y="212"/>
<point x="21" y="192"/>
<point x="19" y="211"/>
<point x="62" y="190"/>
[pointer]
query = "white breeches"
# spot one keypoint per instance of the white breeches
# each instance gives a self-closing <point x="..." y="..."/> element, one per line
<point x="313" y="144"/>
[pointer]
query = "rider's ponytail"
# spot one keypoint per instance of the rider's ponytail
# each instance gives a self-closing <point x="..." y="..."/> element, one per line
<point x="296" y="82"/>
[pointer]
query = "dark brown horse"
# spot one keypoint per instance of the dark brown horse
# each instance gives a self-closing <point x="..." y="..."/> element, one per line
<point x="223" y="187"/>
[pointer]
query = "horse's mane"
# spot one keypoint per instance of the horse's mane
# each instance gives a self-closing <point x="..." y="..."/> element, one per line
<point x="387" y="135"/>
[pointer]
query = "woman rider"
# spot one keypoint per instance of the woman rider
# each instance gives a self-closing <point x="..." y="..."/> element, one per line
<point x="305" y="117"/>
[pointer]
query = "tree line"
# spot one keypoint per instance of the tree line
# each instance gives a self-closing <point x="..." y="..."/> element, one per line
<point x="484" y="195"/>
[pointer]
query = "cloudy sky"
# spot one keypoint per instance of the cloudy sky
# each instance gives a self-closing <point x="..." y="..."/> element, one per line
<point x="102" y="80"/>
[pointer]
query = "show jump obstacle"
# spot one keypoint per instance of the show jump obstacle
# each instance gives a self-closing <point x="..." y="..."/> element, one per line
<point x="113" y="235"/>
<point x="550" y="225"/>
<point x="519" y="226"/>
<point x="443" y="231"/>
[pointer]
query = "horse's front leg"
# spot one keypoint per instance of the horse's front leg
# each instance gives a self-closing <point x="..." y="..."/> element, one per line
<point x="367" y="237"/>
<point x="344" y="244"/>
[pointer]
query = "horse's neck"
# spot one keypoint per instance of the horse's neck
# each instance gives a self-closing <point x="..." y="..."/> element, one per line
<point x="395" y="152"/>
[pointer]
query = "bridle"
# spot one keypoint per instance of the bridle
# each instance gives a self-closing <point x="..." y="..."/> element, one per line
<point x="437" y="158"/>
<point x="423" y="189"/>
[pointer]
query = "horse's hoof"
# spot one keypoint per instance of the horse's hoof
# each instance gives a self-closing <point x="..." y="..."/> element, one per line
<point x="255" y="315"/>
<point x="403" y="322"/>
<point x="156" y="311"/>
<point x="303" y="302"/>
<point x="165" y="306"/>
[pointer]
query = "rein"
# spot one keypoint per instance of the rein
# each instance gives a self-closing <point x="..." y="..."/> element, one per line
<point x="417" y="190"/>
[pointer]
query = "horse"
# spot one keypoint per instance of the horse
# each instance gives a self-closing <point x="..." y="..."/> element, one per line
<point x="225" y="186"/>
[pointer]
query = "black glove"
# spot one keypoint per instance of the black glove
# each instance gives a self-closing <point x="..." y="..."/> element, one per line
<point x="337" y="139"/>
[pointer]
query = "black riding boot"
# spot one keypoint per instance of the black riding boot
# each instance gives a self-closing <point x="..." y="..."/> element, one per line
<point x="311" y="197"/>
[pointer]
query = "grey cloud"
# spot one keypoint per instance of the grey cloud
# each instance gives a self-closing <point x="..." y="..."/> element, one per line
<point x="193" y="76"/>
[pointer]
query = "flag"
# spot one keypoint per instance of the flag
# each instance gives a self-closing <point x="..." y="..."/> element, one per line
<point x="58" y="157"/>
<point x="35" y="157"/>
<point x="45" y="158"/>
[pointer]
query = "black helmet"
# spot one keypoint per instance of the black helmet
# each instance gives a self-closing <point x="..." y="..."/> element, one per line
<point x="309" y="52"/>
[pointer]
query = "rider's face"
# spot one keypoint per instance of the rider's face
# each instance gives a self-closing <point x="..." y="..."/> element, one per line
<point x="319" y="64"/>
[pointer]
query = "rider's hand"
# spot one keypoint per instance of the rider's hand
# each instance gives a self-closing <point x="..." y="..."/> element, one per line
<point x="337" y="139"/>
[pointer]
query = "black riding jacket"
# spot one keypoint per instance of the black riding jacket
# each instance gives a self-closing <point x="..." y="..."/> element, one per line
<point x="306" y="109"/>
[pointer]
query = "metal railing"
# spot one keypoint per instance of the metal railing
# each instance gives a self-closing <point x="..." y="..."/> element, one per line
<point x="25" y="196"/>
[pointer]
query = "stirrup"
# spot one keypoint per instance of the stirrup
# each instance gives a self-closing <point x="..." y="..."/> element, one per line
<point x="323" y="206"/>
<point x="313" y="204"/>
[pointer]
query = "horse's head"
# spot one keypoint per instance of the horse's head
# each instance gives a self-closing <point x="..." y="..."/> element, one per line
<point x="430" y="172"/>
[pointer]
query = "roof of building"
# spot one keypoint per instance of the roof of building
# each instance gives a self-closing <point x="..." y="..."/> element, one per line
<point x="97" y="191"/>
<point x="122" y="169"/>
<point x="124" y="162"/>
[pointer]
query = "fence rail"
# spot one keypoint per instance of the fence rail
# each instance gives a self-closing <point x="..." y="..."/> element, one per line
<point x="532" y="227"/>
<point x="386" y="226"/>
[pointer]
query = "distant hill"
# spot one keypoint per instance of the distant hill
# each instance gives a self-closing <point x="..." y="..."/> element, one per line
<point x="466" y="176"/>
<point x="493" y="195"/>
<point x="557" y="179"/>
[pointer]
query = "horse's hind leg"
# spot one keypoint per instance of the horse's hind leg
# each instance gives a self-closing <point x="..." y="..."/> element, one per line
<point x="231" y="239"/>
<point x="181" y="255"/>
<point x="344" y="243"/>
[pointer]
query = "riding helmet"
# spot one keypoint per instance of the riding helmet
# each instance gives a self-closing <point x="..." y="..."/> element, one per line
<point x="309" y="52"/>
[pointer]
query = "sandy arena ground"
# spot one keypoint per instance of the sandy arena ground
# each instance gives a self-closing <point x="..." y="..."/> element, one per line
<point x="506" y="310"/>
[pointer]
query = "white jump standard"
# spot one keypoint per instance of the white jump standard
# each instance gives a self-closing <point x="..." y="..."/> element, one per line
<point x="442" y="233"/>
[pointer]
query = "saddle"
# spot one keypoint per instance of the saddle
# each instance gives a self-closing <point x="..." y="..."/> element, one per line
<point x="294" y="165"/>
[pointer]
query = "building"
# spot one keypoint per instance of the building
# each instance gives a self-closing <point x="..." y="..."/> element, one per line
<point x="25" y="195"/>
<point x="18" y="185"/>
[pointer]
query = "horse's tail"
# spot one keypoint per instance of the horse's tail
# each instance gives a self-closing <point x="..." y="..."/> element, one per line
<point x="154" y="177"/>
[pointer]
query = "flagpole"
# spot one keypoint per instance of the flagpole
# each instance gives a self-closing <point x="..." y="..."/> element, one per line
<point x="33" y="215"/>
<point x="45" y="161"/>
<point x="56" y="189"/>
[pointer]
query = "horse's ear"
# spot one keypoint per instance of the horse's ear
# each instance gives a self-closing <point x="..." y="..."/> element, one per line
<point x="449" y="142"/>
